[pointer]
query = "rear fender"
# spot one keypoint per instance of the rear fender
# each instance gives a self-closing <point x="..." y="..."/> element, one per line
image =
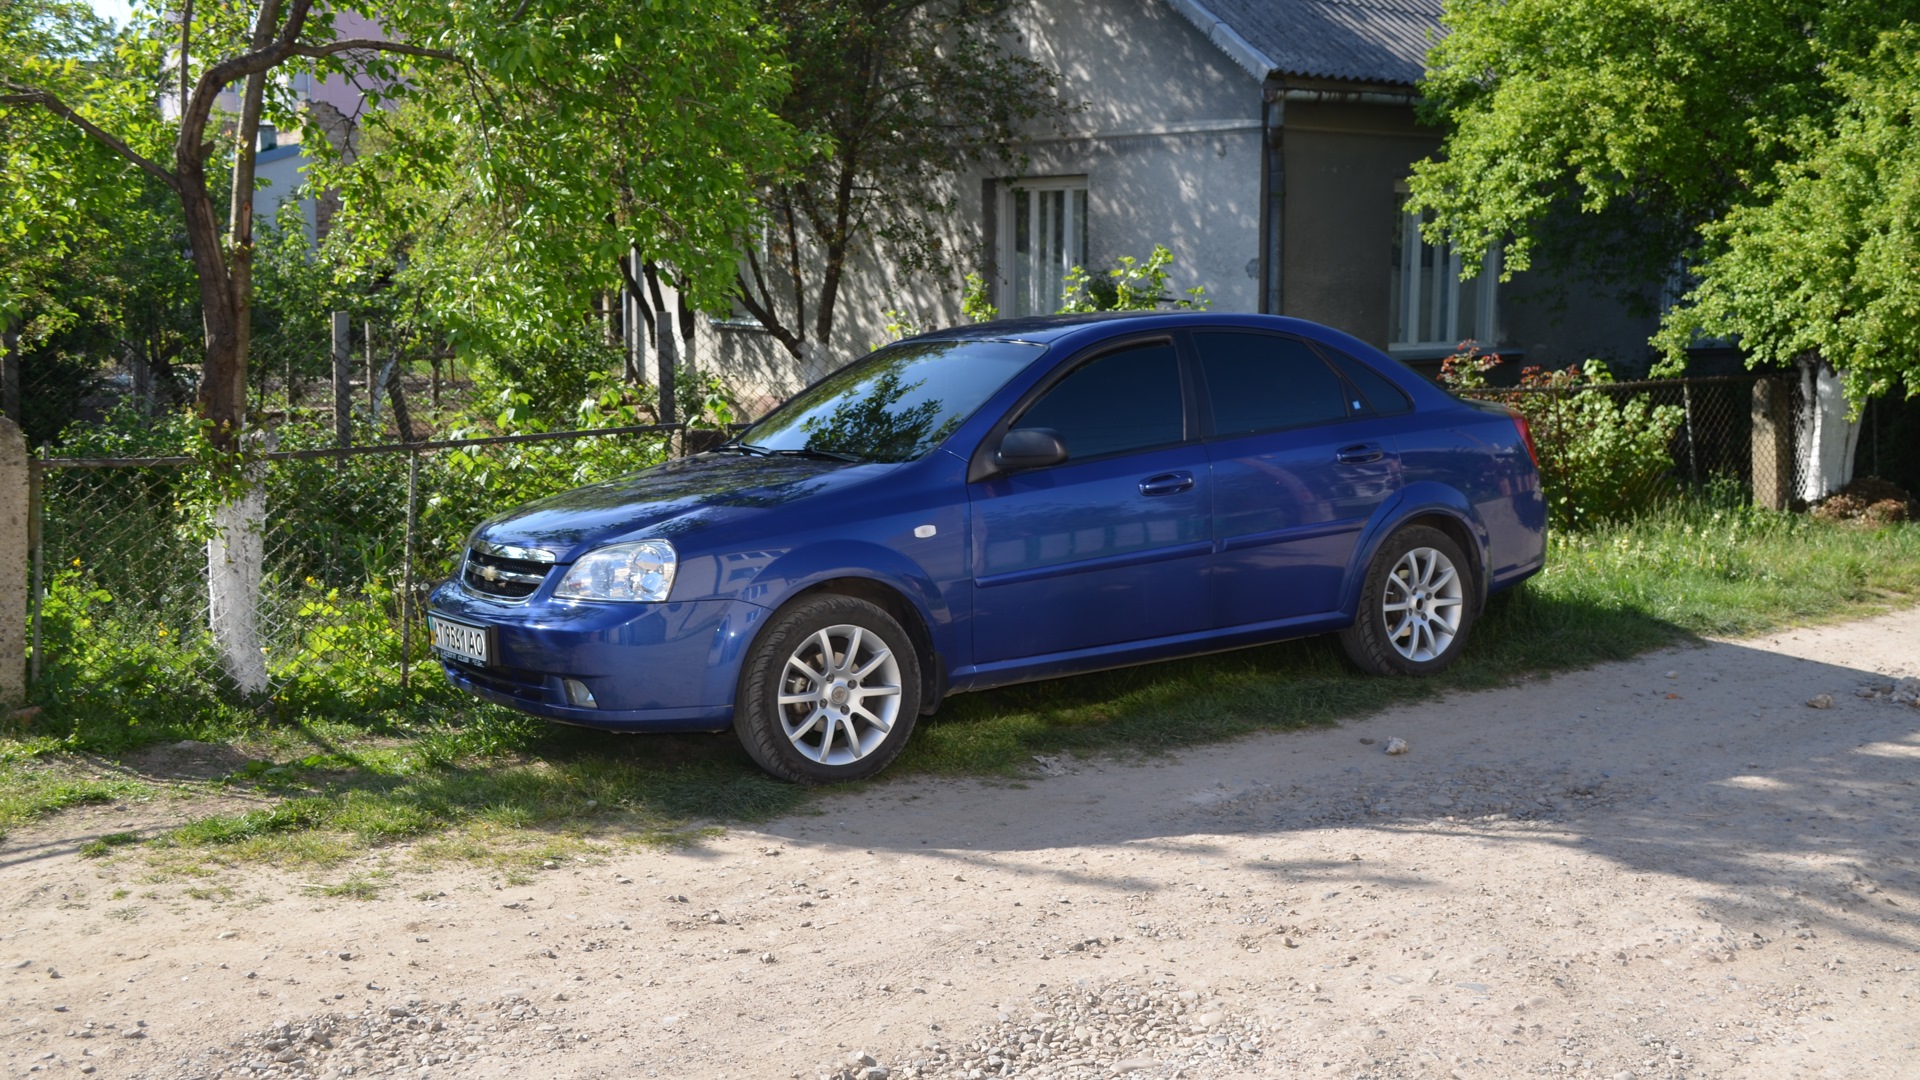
<point x="1425" y="499"/>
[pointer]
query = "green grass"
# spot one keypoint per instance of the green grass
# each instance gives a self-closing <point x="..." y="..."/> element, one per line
<point x="30" y="790"/>
<point x="498" y="787"/>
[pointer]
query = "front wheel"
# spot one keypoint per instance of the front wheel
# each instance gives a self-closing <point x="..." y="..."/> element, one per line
<point x="1415" y="608"/>
<point x="829" y="692"/>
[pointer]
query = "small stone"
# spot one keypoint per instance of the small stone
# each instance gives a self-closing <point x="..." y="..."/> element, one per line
<point x="860" y="1059"/>
<point x="1396" y="746"/>
<point x="345" y="955"/>
<point x="716" y="918"/>
<point x="1134" y="1065"/>
<point x="226" y="935"/>
<point x="1210" y="1018"/>
<point x="133" y="1033"/>
<point x="1820" y="701"/>
<point x="1364" y="741"/>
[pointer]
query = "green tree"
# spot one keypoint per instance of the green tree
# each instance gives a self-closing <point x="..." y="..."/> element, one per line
<point x="1610" y="134"/>
<point x="98" y="270"/>
<point x="507" y="195"/>
<point x="898" y="95"/>
<point x="218" y="48"/>
<point x="1826" y="256"/>
<point x="549" y="81"/>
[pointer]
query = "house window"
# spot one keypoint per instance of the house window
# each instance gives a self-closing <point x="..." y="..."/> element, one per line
<point x="1430" y="308"/>
<point x="1043" y="234"/>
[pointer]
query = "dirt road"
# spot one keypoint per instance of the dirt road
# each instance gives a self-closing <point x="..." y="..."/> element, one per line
<point x="1672" y="867"/>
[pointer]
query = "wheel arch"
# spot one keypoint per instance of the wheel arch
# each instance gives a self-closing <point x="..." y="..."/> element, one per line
<point x="1437" y="507"/>
<point x="896" y="603"/>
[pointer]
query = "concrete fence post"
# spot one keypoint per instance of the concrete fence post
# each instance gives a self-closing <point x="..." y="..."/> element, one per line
<point x="1772" y="444"/>
<point x="13" y="566"/>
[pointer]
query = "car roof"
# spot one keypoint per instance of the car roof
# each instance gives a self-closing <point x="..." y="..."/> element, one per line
<point x="1049" y="329"/>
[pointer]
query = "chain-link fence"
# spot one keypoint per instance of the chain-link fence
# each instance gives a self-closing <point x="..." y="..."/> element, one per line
<point x="1608" y="449"/>
<point x="1611" y="449"/>
<point x="350" y="544"/>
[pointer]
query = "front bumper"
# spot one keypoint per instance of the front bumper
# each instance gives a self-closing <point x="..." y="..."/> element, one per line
<point x="650" y="667"/>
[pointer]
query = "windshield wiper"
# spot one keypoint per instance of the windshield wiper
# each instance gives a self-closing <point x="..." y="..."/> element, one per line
<point x="744" y="448"/>
<point x="830" y="455"/>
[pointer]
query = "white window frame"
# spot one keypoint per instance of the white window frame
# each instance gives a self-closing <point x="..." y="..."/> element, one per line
<point x="1072" y="253"/>
<point x="1442" y="333"/>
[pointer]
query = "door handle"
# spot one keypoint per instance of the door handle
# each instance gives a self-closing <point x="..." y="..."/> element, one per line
<point x="1171" y="483"/>
<point x="1359" y="454"/>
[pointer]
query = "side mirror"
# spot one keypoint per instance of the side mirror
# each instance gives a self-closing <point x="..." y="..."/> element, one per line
<point x="1030" y="448"/>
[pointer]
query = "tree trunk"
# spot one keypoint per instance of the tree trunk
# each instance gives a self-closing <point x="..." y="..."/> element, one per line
<point x="236" y="561"/>
<point x="1827" y="439"/>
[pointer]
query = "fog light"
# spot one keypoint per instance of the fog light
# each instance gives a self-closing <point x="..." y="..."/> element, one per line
<point x="578" y="695"/>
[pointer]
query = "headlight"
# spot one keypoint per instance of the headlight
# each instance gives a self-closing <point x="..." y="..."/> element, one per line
<point x="642" y="570"/>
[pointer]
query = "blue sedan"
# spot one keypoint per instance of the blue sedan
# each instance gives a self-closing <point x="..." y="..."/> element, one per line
<point x="997" y="503"/>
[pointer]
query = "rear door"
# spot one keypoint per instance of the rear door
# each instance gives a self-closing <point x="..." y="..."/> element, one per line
<point x="1300" y="461"/>
<point x="1112" y="545"/>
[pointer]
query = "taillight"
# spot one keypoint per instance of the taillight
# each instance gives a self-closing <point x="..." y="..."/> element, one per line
<point x="1526" y="434"/>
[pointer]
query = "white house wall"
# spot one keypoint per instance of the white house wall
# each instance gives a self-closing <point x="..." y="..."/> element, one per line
<point x="1169" y="144"/>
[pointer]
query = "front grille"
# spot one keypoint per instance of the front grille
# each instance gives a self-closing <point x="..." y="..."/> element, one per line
<point x="500" y="577"/>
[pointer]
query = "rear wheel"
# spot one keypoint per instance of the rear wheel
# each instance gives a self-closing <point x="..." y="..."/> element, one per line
<point x="1415" y="607"/>
<point x="829" y="692"/>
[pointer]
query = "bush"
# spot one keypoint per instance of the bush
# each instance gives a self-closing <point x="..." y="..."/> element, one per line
<point x="1603" y="454"/>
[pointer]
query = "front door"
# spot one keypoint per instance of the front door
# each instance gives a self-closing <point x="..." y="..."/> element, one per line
<point x="1111" y="546"/>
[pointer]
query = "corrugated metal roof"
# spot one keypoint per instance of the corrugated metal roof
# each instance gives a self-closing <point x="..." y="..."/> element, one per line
<point x="1375" y="41"/>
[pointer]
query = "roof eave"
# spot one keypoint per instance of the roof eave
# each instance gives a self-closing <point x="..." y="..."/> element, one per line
<point x="1227" y="39"/>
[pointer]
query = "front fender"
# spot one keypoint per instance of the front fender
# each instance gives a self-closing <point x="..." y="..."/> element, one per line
<point x="803" y="568"/>
<point x="1424" y="499"/>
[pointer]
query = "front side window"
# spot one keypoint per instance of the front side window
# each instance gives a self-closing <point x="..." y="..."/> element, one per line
<point x="1043" y="235"/>
<point x="1261" y="382"/>
<point x="1429" y="307"/>
<point x="1124" y="401"/>
<point x="894" y="404"/>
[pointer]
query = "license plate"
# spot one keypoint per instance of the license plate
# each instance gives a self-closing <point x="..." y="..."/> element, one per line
<point x="460" y="640"/>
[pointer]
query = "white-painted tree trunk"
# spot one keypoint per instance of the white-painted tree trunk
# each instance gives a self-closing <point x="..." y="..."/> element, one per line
<point x="1826" y="437"/>
<point x="236" y="558"/>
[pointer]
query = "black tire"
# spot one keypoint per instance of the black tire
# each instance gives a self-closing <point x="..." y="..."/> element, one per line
<point x="825" y="655"/>
<point x="1417" y="638"/>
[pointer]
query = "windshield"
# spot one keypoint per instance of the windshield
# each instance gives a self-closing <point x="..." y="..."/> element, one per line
<point x="892" y="405"/>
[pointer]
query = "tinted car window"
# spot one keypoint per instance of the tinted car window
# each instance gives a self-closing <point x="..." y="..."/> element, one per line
<point x="1128" y="400"/>
<point x="1380" y="394"/>
<point x="1258" y="382"/>
<point x="894" y="404"/>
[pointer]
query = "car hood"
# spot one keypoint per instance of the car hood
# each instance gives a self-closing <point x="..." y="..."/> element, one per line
<point x="669" y="500"/>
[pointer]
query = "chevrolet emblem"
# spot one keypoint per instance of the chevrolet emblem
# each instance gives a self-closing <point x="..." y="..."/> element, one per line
<point x="490" y="573"/>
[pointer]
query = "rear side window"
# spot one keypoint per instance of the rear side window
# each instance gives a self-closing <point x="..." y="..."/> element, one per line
<point x="1376" y="389"/>
<point x="1259" y="382"/>
<point x="1128" y="400"/>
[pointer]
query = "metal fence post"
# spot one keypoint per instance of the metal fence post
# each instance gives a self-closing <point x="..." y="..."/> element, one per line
<point x="406" y="568"/>
<point x="9" y="370"/>
<point x="342" y="375"/>
<point x="1693" y="448"/>
<point x="15" y="503"/>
